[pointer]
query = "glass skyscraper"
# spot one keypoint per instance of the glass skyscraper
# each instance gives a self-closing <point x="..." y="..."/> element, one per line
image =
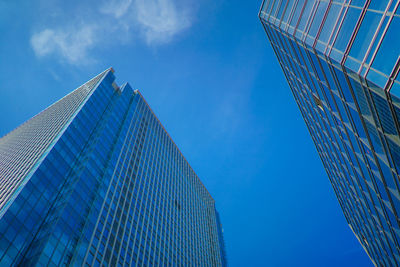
<point x="341" y="60"/>
<point x="94" y="180"/>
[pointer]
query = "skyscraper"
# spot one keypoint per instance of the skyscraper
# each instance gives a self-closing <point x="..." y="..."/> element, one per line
<point x="94" y="180"/>
<point x="341" y="60"/>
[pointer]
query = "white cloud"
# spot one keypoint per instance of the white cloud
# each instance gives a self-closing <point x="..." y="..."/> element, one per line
<point x="160" y="19"/>
<point x="71" y="44"/>
<point x="117" y="8"/>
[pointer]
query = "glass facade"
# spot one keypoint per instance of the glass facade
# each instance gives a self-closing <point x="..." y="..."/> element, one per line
<point x="341" y="60"/>
<point x="95" y="180"/>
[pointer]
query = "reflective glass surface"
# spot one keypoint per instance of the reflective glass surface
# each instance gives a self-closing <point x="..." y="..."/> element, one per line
<point x="343" y="75"/>
<point x="106" y="187"/>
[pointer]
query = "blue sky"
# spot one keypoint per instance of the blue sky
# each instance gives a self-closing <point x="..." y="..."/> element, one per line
<point x="209" y="73"/>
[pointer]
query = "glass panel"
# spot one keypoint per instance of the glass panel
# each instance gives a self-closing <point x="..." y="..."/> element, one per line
<point x="328" y="26"/>
<point x="379" y="5"/>
<point x="395" y="151"/>
<point x="358" y="3"/>
<point x="280" y="11"/>
<point x="389" y="49"/>
<point x="364" y="35"/>
<point x="396" y="111"/>
<point x="376" y="142"/>
<point x="377" y="78"/>
<point x="316" y="23"/>
<point x="296" y="16"/>
<point x="345" y="33"/>
<point x="395" y="90"/>
<point x="317" y="72"/>
<point x="384" y="114"/>
<point x="274" y="7"/>
<point x="267" y="6"/>
<point x="304" y="17"/>
<point x="287" y="13"/>
<point x="387" y="173"/>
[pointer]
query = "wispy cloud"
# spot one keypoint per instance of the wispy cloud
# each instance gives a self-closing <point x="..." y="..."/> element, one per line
<point x="70" y="44"/>
<point x="117" y="8"/>
<point x="160" y="19"/>
<point x="157" y="21"/>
